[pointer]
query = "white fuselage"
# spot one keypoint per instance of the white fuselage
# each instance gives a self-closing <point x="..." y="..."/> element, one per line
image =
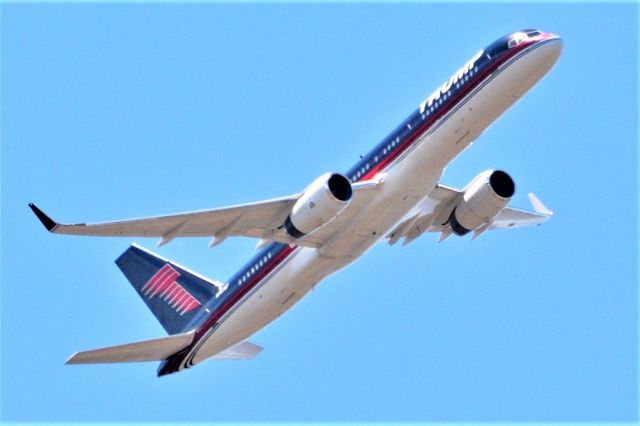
<point x="407" y="181"/>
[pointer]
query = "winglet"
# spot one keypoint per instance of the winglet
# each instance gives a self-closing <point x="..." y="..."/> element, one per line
<point x="48" y="223"/>
<point x="538" y="206"/>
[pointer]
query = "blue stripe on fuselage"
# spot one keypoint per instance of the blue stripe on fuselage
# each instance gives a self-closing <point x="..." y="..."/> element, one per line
<point x="401" y="138"/>
<point x="376" y="160"/>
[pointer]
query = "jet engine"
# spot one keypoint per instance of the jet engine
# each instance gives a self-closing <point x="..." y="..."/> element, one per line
<point x="485" y="196"/>
<point x="322" y="201"/>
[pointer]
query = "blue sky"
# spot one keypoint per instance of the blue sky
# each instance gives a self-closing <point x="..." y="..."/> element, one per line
<point x="117" y="111"/>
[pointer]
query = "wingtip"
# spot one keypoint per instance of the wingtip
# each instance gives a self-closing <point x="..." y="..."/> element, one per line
<point x="538" y="206"/>
<point x="71" y="359"/>
<point x="48" y="223"/>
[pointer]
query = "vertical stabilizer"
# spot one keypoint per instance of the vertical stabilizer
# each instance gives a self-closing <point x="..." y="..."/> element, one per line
<point x="173" y="293"/>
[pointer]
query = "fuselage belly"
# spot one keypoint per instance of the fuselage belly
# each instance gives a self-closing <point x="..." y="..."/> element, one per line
<point x="405" y="182"/>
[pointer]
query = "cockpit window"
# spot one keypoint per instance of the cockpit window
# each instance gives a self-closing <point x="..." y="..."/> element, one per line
<point x="509" y="41"/>
<point x="516" y="39"/>
<point x="497" y="47"/>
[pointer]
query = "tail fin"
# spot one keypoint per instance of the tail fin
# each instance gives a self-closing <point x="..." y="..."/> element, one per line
<point x="173" y="293"/>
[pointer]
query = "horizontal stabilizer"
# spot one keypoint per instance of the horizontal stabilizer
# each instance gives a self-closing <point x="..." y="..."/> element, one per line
<point x="147" y="350"/>
<point x="244" y="350"/>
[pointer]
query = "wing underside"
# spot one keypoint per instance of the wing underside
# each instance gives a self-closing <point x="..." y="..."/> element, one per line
<point x="432" y="215"/>
<point x="262" y="220"/>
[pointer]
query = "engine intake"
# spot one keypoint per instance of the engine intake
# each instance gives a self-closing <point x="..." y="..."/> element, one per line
<point x="502" y="184"/>
<point x="322" y="201"/>
<point x="485" y="196"/>
<point x="340" y="187"/>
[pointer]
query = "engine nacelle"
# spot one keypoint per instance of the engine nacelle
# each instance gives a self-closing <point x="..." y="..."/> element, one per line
<point x="485" y="196"/>
<point x="320" y="203"/>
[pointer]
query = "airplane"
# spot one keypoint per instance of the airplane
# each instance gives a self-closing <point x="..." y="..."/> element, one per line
<point x="393" y="193"/>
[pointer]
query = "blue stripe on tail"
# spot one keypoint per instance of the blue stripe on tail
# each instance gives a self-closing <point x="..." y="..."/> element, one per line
<point x="173" y="293"/>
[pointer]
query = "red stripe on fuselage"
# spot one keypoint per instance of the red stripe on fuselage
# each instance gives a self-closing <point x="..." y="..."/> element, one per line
<point x="246" y="287"/>
<point x="173" y="363"/>
<point x="426" y="124"/>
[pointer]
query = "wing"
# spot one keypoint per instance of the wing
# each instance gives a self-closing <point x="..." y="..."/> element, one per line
<point x="432" y="215"/>
<point x="516" y="218"/>
<point x="250" y="220"/>
<point x="262" y="220"/>
<point x="362" y="194"/>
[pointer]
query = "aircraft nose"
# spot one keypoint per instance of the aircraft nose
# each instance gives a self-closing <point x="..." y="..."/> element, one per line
<point x="553" y="47"/>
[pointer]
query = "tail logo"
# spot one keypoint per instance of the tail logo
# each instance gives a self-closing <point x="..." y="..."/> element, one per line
<point x="164" y="285"/>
